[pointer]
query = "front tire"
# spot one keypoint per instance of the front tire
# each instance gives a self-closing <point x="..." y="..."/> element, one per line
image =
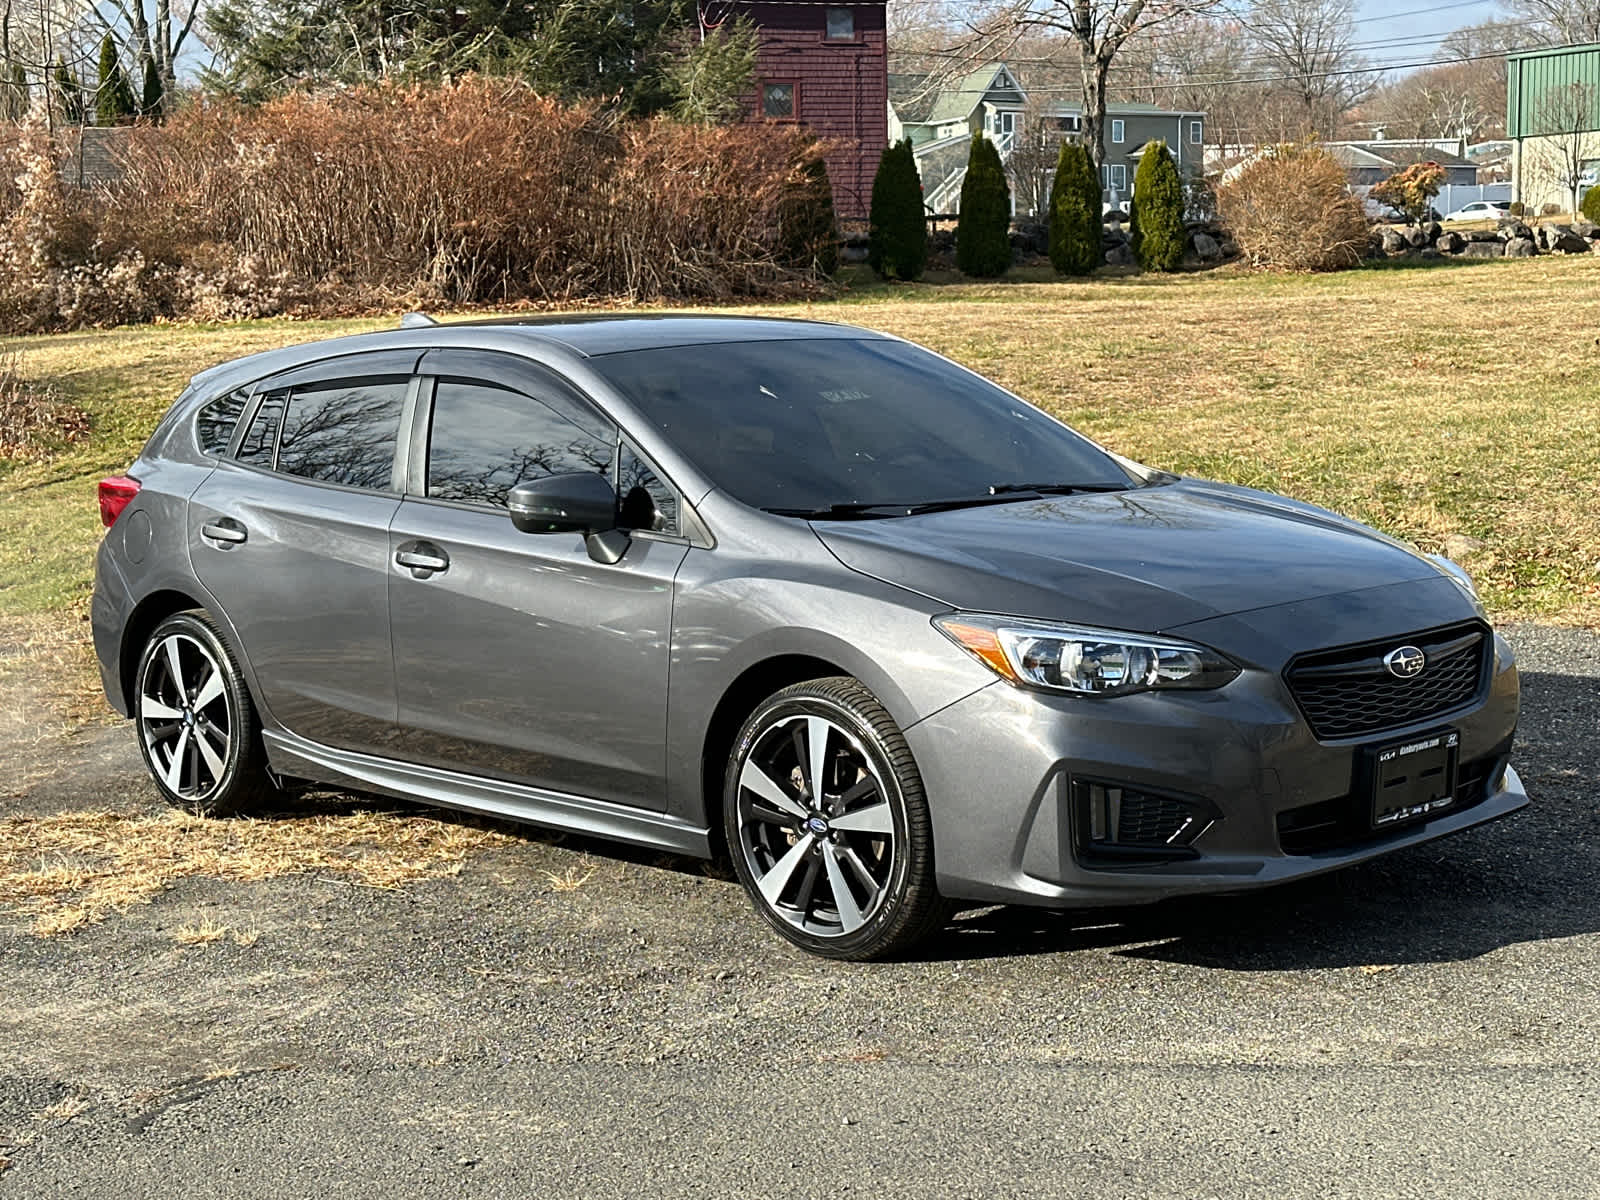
<point x="196" y="724"/>
<point x="828" y="826"/>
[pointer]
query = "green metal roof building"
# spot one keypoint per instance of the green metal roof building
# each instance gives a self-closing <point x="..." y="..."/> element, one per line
<point x="1553" y="120"/>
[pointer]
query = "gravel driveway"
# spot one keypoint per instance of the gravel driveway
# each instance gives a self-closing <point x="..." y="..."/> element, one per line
<point x="1425" y="1025"/>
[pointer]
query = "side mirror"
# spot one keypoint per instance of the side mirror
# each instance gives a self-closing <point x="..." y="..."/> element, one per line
<point x="580" y="502"/>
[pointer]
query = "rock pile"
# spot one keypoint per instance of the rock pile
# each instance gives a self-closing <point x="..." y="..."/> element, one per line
<point x="1513" y="238"/>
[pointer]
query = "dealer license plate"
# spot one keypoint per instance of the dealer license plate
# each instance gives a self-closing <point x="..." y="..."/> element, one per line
<point x="1414" y="779"/>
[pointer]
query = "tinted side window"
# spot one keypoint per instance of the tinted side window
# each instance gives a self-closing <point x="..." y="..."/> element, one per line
<point x="261" y="439"/>
<point x="647" y="502"/>
<point x="344" y="431"/>
<point x="217" y="420"/>
<point x="485" y="440"/>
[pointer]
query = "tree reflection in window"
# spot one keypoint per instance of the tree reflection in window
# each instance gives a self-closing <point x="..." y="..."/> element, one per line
<point x="485" y="440"/>
<point x="344" y="432"/>
<point x="261" y="439"/>
<point x="216" y="422"/>
<point x="647" y="503"/>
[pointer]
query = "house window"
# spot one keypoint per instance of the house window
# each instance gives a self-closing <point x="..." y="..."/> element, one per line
<point x="777" y="100"/>
<point x="1071" y="124"/>
<point x="1117" y="132"/>
<point x="1115" y="175"/>
<point x="841" y="24"/>
<point x="1195" y="137"/>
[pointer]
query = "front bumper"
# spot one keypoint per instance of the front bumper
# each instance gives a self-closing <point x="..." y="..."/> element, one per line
<point x="999" y="770"/>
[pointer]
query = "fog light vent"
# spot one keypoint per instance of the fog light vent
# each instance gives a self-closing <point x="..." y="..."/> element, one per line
<point x="1119" y="820"/>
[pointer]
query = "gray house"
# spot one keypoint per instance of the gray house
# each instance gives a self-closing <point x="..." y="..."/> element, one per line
<point x="1373" y="161"/>
<point x="940" y="117"/>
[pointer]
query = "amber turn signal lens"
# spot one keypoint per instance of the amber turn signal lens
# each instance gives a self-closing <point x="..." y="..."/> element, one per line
<point x="984" y="645"/>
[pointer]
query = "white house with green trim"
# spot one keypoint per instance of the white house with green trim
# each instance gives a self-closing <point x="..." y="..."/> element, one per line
<point x="940" y="117"/>
<point x="1553" y="121"/>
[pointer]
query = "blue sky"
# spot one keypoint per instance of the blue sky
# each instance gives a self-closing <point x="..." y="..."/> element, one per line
<point x="1413" y="36"/>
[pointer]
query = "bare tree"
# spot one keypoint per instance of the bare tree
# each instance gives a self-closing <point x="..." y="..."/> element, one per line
<point x="153" y="32"/>
<point x="1562" y="22"/>
<point x="1098" y="30"/>
<point x="37" y="36"/>
<point x="1031" y="165"/>
<point x="1567" y="137"/>
<point x="1309" y="45"/>
<point x="1202" y="63"/>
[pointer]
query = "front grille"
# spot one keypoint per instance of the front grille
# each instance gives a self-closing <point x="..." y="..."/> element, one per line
<point x="1345" y="822"/>
<point x="1349" y="692"/>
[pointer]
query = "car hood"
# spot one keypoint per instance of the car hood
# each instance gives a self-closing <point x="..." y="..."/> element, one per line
<point x="1146" y="559"/>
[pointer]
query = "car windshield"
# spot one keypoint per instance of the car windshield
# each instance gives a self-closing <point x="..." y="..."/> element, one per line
<point x="809" y="425"/>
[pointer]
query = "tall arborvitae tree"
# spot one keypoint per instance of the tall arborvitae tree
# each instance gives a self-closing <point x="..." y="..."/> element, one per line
<point x="897" y="235"/>
<point x="113" y="102"/>
<point x="69" y="95"/>
<point x="983" y="228"/>
<point x="808" y="235"/>
<point x="1158" y="233"/>
<point x="152" y="98"/>
<point x="1075" y="218"/>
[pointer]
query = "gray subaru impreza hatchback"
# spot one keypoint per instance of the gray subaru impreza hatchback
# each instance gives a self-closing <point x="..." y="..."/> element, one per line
<point x="811" y="596"/>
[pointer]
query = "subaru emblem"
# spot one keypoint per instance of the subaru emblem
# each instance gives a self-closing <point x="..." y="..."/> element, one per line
<point x="1405" y="662"/>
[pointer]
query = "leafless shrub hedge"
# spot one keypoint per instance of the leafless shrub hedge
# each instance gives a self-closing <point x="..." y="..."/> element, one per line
<point x="476" y="192"/>
<point x="1291" y="210"/>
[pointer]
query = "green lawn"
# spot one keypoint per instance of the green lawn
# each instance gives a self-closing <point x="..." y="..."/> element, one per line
<point x="1433" y="401"/>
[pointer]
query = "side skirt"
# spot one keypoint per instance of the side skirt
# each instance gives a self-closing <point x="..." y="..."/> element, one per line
<point x="302" y="758"/>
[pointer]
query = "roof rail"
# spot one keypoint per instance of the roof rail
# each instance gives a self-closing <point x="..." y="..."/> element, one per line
<point x="416" y="320"/>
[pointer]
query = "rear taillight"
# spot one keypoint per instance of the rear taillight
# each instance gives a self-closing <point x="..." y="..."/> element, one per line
<point x="115" y="495"/>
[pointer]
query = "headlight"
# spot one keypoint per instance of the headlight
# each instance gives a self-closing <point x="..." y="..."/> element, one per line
<point x="1083" y="661"/>
<point x="1456" y="571"/>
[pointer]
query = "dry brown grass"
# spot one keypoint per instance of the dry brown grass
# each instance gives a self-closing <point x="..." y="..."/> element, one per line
<point x="66" y="871"/>
<point x="570" y="880"/>
<point x="35" y="422"/>
<point x="65" y="1110"/>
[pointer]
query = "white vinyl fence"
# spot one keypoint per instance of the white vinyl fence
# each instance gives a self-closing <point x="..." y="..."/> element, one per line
<point x="1453" y="195"/>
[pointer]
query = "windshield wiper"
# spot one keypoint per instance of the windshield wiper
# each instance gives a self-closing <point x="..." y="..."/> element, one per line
<point x="1055" y="489"/>
<point x="866" y="510"/>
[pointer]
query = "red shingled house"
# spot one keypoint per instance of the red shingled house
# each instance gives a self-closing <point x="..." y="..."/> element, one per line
<point x="826" y="66"/>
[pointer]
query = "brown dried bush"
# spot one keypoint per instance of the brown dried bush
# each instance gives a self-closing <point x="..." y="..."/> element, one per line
<point x="1291" y="210"/>
<point x="475" y="192"/>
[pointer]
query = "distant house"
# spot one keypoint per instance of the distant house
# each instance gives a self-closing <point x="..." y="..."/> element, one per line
<point x="1553" y="121"/>
<point x="1372" y="161"/>
<point x="940" y="118"/>
<point x="824" y="66"/>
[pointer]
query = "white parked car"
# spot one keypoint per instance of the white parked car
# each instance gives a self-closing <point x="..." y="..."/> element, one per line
<point x="1480" y="210"/>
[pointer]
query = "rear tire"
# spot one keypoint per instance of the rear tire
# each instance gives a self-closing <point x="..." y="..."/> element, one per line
<point x="844" y="869"/>
<point x="197" y="727"/>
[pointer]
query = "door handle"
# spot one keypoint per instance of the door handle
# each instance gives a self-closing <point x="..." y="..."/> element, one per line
<point x="422" y="559"/>
<point x="223" y="533"/>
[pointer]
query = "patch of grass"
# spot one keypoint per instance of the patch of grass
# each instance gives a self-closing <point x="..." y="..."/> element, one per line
<point x="1427" y="402"/>
<point x="571" y="879"/>
<point x="69" y="870"/>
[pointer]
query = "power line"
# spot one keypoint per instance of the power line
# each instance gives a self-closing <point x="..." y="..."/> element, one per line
<point x="1235" y="81"/>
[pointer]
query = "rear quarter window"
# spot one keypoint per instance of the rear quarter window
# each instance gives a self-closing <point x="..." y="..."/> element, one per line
<point x="216" y="422"/>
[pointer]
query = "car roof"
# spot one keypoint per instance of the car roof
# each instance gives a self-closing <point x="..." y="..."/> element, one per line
<point x="587" y="335"/>
<point x="610" y="333"/>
